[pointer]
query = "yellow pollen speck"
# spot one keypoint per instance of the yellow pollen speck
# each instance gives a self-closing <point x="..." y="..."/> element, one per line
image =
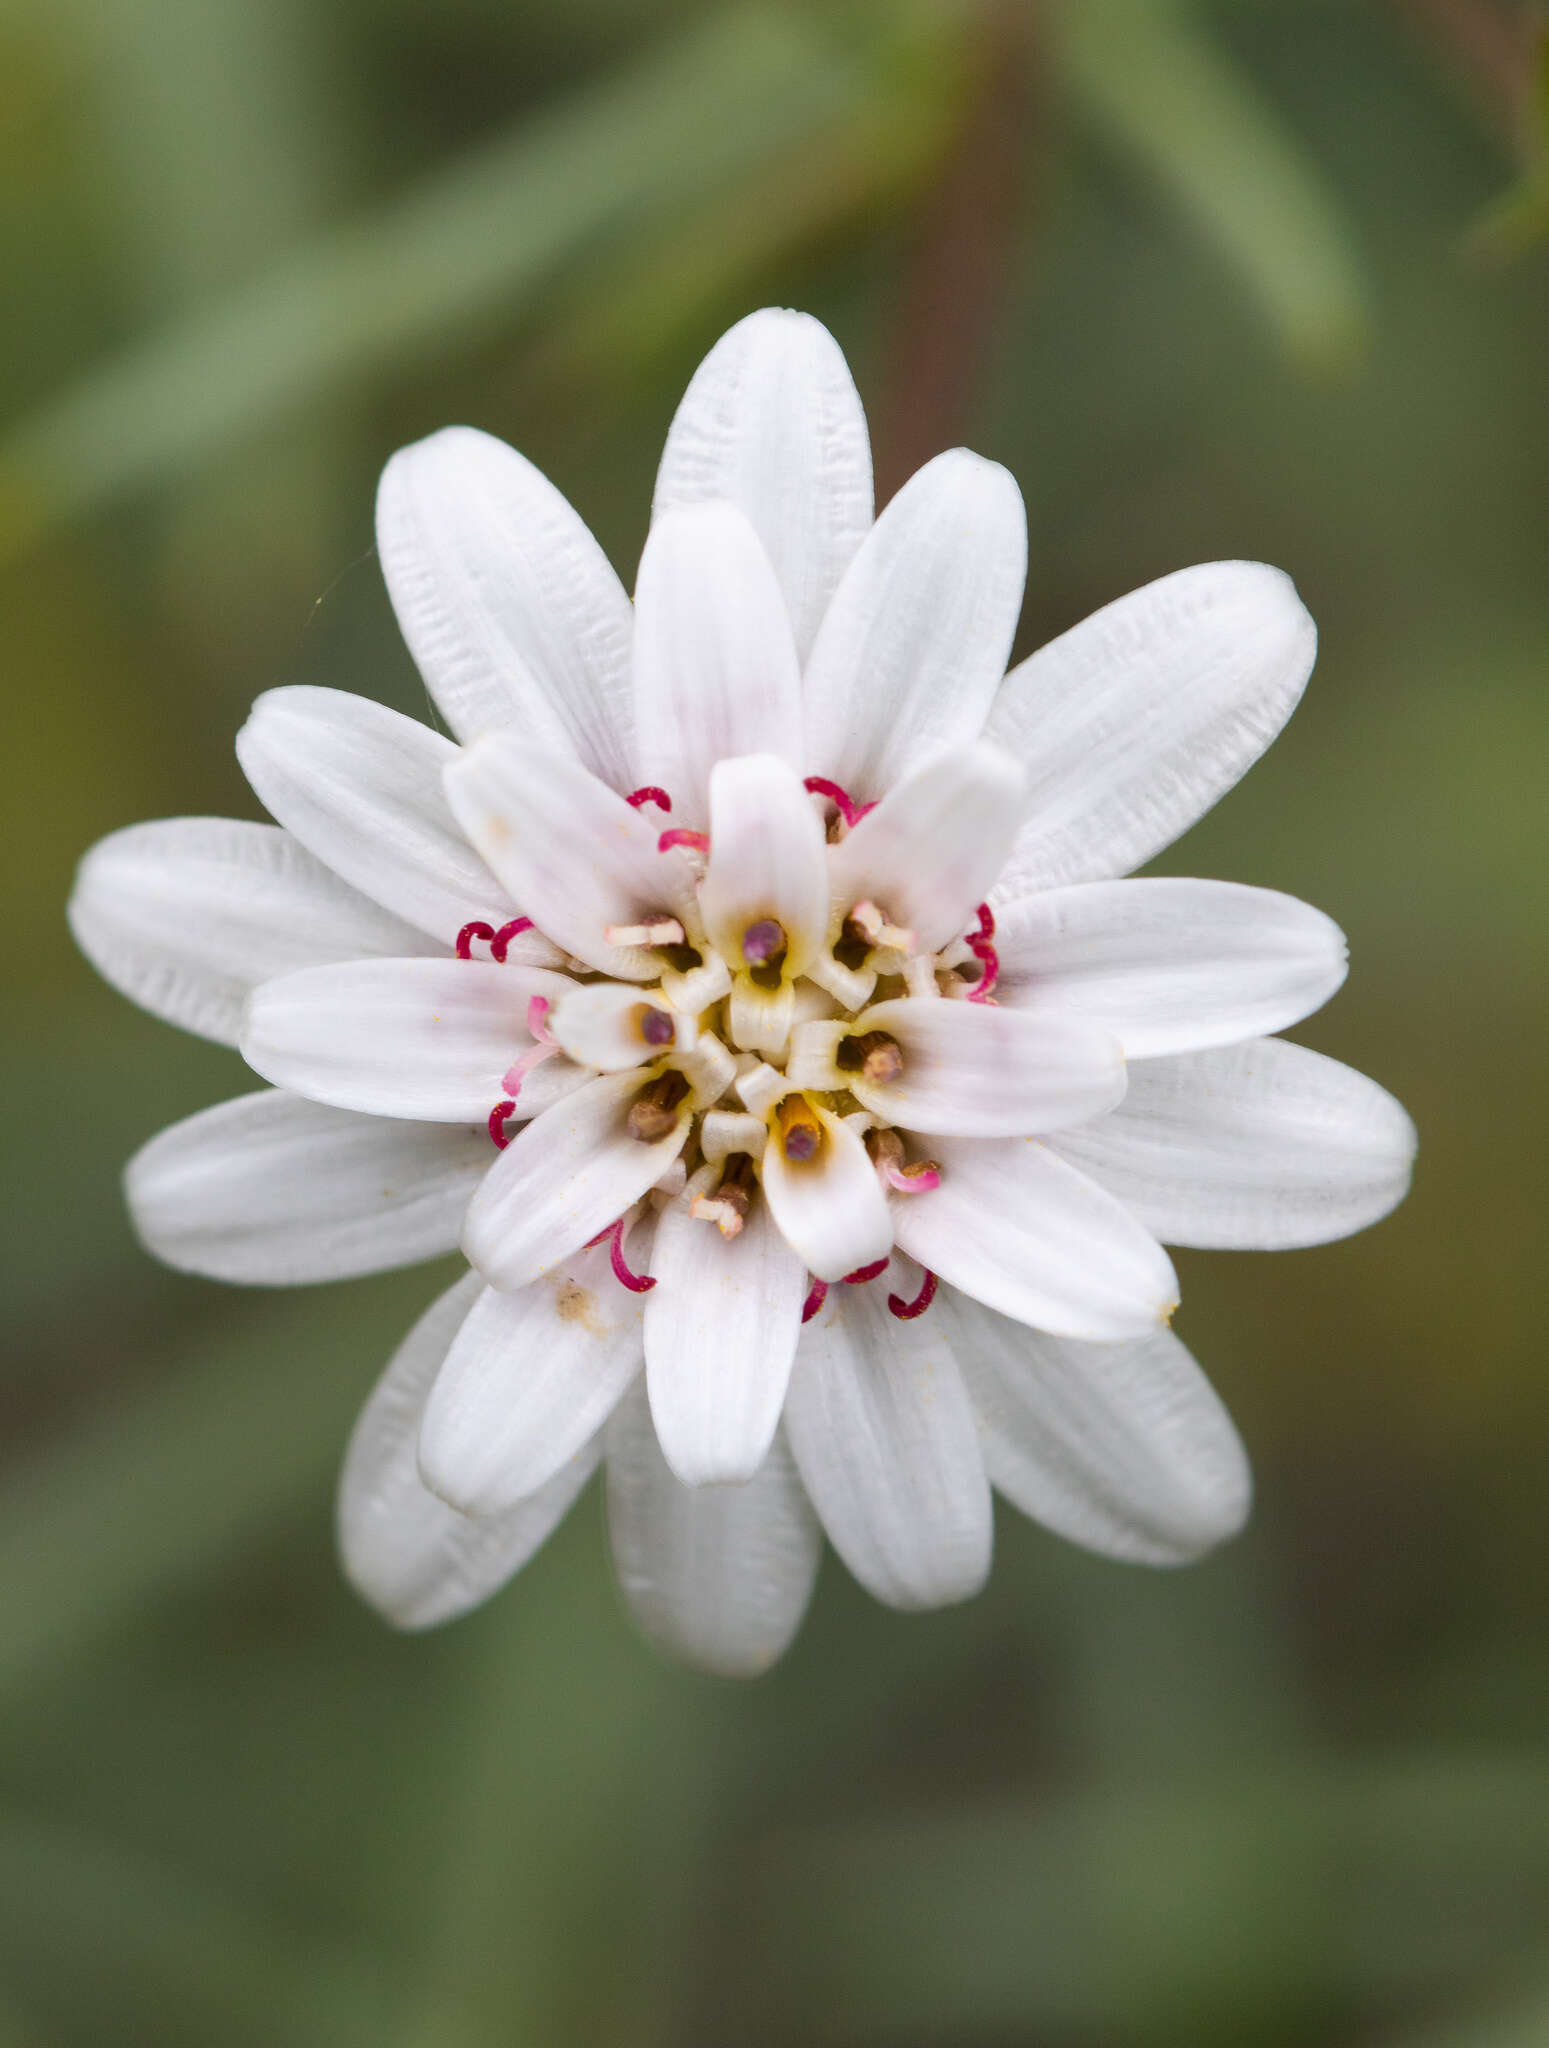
<point x="579" y="1305"/>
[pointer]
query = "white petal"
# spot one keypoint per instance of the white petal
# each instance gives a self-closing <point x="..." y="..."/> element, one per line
<point x="888" y="1448"/>
<point x="1169" y="965"/>
<point x="530" y="1379"/>
<point x="772" y="421"/>
<point x="929" y="852"/>
<point x="720" y="1333"/>
<point x="1255" y="1147"/>
<point x="1124" y="1448"/>
<point x="603" y="1024"/>
<point x="360" y="786"/>
<point x="510" y="608"/>
<point x="715" y="667"/>
<point x="767" y="860"/>
<point x="417" y="1561"/>
<point x="271" y="1190"/>
<point x="1020" y="1230"/>
<point x="983" y="1072"/>
<point x="917" y="638"/>
<point x="717" y="1575"/>
<point x="580" y="856"/>
<point x="186" y="915"/>
<point x="566" y="1176"/>
<point x="1134" y="722"/>
<point x="427" y="1039"/>
<point x="831" y="1210"/>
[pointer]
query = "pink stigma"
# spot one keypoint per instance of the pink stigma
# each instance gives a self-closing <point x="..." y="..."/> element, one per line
<point x="648" y="793"/>
<point x="506" y="933"/>
<point x="906" y="1311"/>
<point x="843" y="802"/>
<point x="637" y="1283"/>
<point x="978" y="943"/>
<point x="498" y="941"/>
<point x="681" y="836"/>
<point x="497" y="1121"/>
<point x="915" y="1183"/>
<point x="864" y="1273"/>
<point x="814" y="1300"/>
<point x="538" y="1021"/>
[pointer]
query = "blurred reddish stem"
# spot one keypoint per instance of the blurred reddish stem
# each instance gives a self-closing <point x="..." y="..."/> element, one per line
<point x="954" y="286"/>
<point x="1499" y="47"/>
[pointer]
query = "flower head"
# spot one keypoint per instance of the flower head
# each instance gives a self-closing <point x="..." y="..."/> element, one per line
<point x="748" y="991"/>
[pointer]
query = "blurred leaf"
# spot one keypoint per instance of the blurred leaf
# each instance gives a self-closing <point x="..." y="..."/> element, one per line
<point x="1198" y="126"/>
<point x="1520" y="217"/>
<point x="1155" y="1913"/>
<point x="445" y="265"/>
<point x="101" y="1940"/>
<point x="160" y="1489"/>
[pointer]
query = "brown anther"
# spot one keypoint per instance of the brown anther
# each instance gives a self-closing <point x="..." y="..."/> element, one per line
<point x="656" y="1026"/>
<point x="875" y="1056"/>
<point x="654" y="1112"/>
<point x="801" y="1135"/>
<point x="728" y="1207"/>
<point x="885" y="1148"/>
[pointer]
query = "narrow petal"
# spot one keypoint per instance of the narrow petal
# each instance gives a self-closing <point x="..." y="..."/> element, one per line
<point x="510" y="608"/>
<point x="888" y="1448"/>
<point x="933" y="846"/>
<point x="360" y="787"/>
<point x="1133" y="723"/>
<point x="767" y="861"/>
<point x="426" y="1039"/>
<point x="1255" y="1147"/>
<point x="274" y="1191"/>
<point x="915" y="643"/>
<point x="772" y="421"/>
<point x="720" y="1333"/>
<point x="830" y="1209"/>
<point x="573" y="849"/>
<point x="1023" y="1232"/>
<point x="414" y="1559"/>
<point x="1169" y="966"/>
<point x="983" y="1072"/>
<point x="715" y="667"/>
<point x="1123" y="1448"/>
<point x="529" y="1380"/>
<point x="569" y="1174"/>
<point x="717" y="1575"/>
<point x="187" y="915"/>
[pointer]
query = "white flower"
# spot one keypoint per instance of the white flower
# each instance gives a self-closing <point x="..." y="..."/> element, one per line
<point x="767" y="927"/>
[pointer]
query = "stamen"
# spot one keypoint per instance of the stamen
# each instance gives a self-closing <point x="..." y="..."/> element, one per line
<point x="681" y="836"/>
<point x="761" y="942"/>
<point x="506" y="933"/>
<point x="978" y="943"/>
<point x="864" y="1273"/>
<point x="497" y="1120"/>
<point x="637" y="1283"/>
<point x="654" y="1112"/>
<point x="728" y="1207"/>
<point x="906" y="1311"/>
<point x="465" y="938"/>
<point x="875" y="1055"/>
<point x="656" y="1026"/>
<point x="986" y="922"/>
<point x="800" y="1132"/>
<point x="535" y="1055"/>
<point x="842" y="801"/>
<point x="656" y="931"/>
<point x="874" y="926"/>
<point x="648" y="793"/>
<point x="814" y="1300"/>
<point x="538" y="1021"/>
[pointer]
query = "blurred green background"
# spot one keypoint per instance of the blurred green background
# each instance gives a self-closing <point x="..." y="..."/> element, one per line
<point x="1246" y="279"/>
